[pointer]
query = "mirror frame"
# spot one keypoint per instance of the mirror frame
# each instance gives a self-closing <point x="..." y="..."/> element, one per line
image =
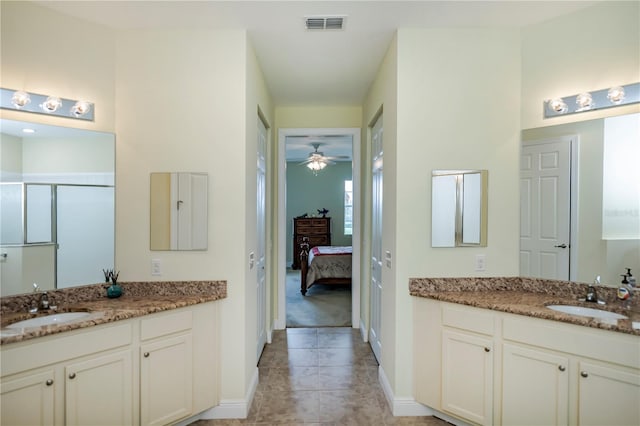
<point x="459" y="219"/>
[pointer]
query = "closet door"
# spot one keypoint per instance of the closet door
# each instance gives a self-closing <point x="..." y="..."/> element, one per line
<point x="376" y="238"/>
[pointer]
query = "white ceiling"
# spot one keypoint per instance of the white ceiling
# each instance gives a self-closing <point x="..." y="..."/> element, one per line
<point x="316" y="67"/>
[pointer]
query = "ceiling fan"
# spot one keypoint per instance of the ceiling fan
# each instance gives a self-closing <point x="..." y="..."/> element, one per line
<point x="318" y="161"/>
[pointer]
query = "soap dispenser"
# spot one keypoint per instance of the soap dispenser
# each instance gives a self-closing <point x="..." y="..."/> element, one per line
<point x="630" y="278"/>
<point x="624" y="291"/>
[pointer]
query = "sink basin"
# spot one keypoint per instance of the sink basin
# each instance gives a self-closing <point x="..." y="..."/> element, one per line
<point x="588" y="312"/>
<point x="53" y="319"/>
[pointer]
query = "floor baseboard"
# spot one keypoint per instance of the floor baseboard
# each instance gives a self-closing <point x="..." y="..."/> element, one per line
<point x="234" y="408"/>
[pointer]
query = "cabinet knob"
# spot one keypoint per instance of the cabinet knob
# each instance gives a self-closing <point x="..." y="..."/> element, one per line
<point x="146" y="354"/>
<point x="49" y="382"/>
<point x="487" y="349"/>
<point x="72" y="376"/>
<point x="584" y="374"/>
<point x="562" y="367"/>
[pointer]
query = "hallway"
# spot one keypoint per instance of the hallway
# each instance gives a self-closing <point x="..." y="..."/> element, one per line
<point x="319" y="376"/>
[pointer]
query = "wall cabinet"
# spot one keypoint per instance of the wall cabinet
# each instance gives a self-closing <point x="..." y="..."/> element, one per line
<point x="534" y="371"/>
<point x="152" y="370"/>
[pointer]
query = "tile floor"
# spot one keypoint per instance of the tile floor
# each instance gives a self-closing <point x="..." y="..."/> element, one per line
<point x="322" y="376"/>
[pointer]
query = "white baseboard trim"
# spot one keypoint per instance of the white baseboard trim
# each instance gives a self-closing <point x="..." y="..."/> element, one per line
<point x="234" y="408"/>
<point x="401" y="406"/>
<point x="363" y="331"/>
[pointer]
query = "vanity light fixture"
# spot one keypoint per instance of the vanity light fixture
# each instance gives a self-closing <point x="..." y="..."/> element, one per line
<point x="616" y="95"/>
<point x="590" y="101"/>
<point x="19" y="100"/>
<point x="584" y="101"/>
<point x="51" y="104"/>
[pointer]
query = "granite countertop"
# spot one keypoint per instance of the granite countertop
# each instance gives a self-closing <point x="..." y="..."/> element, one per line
<point x="530" y="296"/>
<point x="138" y="299"/>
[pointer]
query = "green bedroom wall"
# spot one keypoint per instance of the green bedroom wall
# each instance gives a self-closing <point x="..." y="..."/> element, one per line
<point x="307" y="193"/>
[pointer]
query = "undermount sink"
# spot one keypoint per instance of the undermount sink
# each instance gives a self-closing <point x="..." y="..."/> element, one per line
<point x="53" y="319"/>
<point x="587" y="312"/>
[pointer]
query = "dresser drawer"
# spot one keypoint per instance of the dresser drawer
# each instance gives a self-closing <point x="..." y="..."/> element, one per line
<point x="315" y="240"/>
<point x="310" y="230"/>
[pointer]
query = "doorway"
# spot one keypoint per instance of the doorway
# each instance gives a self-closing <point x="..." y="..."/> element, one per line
<point x="284" y="240"/>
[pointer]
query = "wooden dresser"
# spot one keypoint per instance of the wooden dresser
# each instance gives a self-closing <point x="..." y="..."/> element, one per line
<point x="318" y="229"/>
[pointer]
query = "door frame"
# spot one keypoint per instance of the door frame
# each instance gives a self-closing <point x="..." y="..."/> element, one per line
<point x="574" y="156"/>
<point x="281" y="317"/>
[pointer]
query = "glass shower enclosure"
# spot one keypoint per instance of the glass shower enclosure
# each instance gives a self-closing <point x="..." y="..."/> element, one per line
<point x="55" y="235"/>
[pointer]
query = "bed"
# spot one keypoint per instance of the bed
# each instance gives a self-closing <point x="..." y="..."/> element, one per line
<point x="324" y="265"/>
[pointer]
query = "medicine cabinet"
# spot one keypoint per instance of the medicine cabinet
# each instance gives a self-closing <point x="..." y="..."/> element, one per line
<point x="459" y="208"/>
<point x="178" y="211"/>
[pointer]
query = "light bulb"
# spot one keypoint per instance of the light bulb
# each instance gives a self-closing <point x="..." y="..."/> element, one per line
<point x="584" y="101"/>
<point x="51" y="104"/>
<point x="20" y="99"/>
<point x="616" y="95"/>
<point x="80" y="108"/>
<point x="558" y="105"/>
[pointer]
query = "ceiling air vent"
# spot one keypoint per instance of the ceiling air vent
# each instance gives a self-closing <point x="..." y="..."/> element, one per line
<point x="324" y="22"/>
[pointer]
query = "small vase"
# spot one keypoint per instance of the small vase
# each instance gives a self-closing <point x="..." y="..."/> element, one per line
<point x="113" y="291"/>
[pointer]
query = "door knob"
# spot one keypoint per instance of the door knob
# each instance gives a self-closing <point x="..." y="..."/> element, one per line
<point x="563" y="245"/>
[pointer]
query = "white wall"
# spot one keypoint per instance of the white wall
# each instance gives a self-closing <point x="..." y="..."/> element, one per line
<point x="447" y="117"/>
<point x="42" y="53"/>
<point x="10" y="158"/>
<point x="595" y="48"/>
<point x="181" y="108"/>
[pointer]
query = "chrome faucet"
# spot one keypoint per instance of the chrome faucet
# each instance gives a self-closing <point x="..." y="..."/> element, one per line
<point x="44" y="301"/>
<point x="592" y="294"/>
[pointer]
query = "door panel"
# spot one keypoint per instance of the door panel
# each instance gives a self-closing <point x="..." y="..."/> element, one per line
<point x="261" y="190"/>
<point x="545" y="200"/>
<point x="376" y="239"/>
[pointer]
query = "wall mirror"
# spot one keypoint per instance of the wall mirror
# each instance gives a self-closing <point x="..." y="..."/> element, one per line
<point x="57" y="201"/>
<point x="178" y="211"/>
<point x="603" y="211"/>
<point x="459" y="208"/>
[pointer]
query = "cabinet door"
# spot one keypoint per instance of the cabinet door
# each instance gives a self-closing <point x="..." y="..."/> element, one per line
<point x="467" y="376"/>
<point x="608" y="395"/>
<point x="28" y="400"/>
<point x="166" y="377"/>
<point x="535" y="387"/>
<point x="99" y="391"/>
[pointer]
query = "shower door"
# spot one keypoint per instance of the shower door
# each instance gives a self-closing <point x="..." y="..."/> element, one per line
<point x="85" y="233"/>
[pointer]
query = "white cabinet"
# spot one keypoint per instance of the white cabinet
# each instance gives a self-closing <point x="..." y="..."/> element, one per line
<point x="156" y="369"/>
<point x="608" y="395"/>
<point x="535" y="387"/>
<point x="98" y="391"/>
<point x="28" y="400"/>
<point x="489" y="367"/>
<point x="467" y="376"/>
<point x="166" y="368"/>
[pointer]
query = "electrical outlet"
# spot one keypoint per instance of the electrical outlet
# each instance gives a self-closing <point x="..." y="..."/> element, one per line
<point x="481" y="262"/>
<point x="387" y="258"/>
<point x="156" y="267"/>
<point x="252" y="260"/>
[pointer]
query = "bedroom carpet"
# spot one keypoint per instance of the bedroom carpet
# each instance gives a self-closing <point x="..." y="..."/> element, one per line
<point x="323" y="306"/>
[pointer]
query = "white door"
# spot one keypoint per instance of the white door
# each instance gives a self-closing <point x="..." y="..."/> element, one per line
<point x="376" y="239"/>
<point x="545" y="200"/>
<point x="261" y="190"/>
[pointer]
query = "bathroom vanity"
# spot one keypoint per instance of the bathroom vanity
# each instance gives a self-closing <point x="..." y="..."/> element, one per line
<point x="497" y="355"/>
<point x="144" y="360"/>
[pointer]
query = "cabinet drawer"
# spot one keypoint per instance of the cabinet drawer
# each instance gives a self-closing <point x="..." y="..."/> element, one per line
<point x="468" y="319"/>
<point x="166" y="324"/>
